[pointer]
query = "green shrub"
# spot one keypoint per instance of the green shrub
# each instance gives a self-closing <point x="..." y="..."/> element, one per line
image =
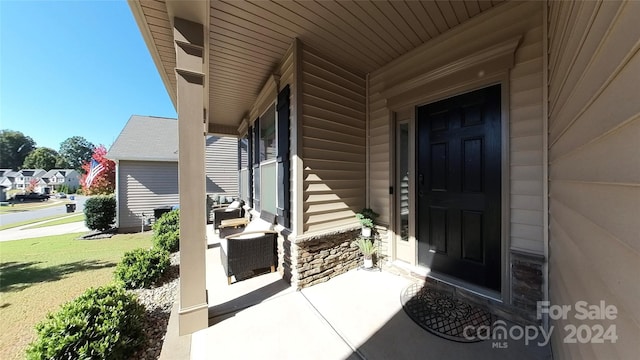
<point x="103" y="323"/>
<point x="100" y="212"/>
<point x="166" y="231"/>
<point x="141" y="268"/>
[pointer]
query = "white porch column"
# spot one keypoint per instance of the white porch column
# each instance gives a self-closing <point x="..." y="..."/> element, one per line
<point x="189" y="45"/>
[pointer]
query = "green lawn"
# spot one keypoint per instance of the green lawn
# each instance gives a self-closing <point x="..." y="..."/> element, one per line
<point x="64" y="220"/>
<point x="38" y="275"/>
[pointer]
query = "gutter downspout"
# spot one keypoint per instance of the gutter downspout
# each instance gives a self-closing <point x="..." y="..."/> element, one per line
<point x="545" y="155"/>
<point x="367" y="146"/>
<point x="117" y="180"/>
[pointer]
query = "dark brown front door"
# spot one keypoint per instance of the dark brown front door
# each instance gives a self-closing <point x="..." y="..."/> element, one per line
<point x="459" y="187"/>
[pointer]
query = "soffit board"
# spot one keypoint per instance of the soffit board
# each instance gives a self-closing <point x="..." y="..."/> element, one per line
<point x="248" y="39"/>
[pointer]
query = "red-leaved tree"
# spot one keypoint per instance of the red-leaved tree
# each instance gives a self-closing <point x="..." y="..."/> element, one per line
<point x="105" y="182"/>
<point x="31" y="187"/>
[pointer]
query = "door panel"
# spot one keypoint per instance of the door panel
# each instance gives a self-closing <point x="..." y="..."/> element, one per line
<point x="459" y="186"/>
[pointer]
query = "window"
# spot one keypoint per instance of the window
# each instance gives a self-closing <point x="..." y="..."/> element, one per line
<point x="265" y="177"/>
<point x="266" y="173"/>
<point x="268" y="180"/>
<point x="257" y="163"/>
<point x="268" y="134"/>
<point x="243" y="164"/>
<point x="403" y="179"/>
<point x="243" y="152"/>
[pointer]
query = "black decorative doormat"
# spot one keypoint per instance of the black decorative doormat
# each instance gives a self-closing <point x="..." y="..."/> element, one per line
<point x="444" y="315"/>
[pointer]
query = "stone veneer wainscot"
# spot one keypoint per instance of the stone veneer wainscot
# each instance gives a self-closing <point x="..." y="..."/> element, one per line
<point x="315" y="259"/>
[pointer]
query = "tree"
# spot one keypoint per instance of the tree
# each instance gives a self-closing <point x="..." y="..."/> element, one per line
<point x="31" y="187"/>
<point x="14" y="148"/>
<point x="41" y="158"/>
<point x="76" y="151"/>
<point x="61" y="163"/>
<point x="103" y="183"/>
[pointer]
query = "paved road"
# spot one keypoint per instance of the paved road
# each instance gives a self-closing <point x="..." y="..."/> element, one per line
<point x="11" y="218"/>
<point x="19" y="233"/>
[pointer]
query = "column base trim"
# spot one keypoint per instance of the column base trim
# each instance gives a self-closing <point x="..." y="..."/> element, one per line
<point x="193" y="318"/>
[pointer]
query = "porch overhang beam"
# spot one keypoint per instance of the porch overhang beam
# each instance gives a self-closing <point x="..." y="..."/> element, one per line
<point x="224" y="130"/>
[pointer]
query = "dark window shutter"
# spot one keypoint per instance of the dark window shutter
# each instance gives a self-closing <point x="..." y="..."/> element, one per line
<point x="239" y="155"/>
<point x="283" y="159"/>
<point x="256" y="142"/>
<point x="256" y="165"/>
<point x="250" y="166"/>
<point x="239" y="168"/>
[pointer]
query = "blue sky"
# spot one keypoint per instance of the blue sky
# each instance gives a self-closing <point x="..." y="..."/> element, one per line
<point x="72" y="68"/>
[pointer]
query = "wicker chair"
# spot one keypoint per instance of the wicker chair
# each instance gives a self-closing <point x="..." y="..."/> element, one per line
<point x="254" y="248"/>
<point x="233" y="211"/>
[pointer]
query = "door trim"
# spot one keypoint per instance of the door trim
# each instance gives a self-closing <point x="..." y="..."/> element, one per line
<point x="501" y="78"/>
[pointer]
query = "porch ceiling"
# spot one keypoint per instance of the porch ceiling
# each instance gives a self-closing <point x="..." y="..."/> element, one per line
<point x="247" y="40"/>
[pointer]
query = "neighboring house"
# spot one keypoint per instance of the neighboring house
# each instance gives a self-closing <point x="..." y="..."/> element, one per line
<point x="41" y="186"/>
<point x="46" y="180"/>
<point x="5" y="171"/>
<point x="8" y="178"/>
<point x="146" y="156"/>
<point x="11" y="175"/>
<point x="6" y="183"/>
<point x="24" y="177"/>
<point x="56" y="178"/>
<point x="497" y="140"/>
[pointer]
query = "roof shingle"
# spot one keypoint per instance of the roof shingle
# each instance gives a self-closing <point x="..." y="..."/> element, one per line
<point x="146" y="138"/>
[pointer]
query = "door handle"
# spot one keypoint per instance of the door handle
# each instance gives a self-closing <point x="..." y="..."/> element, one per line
<point x="421" y="179"/>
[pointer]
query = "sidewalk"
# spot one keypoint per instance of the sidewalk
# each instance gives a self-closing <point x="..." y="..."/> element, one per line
<point x="19" y="233"/>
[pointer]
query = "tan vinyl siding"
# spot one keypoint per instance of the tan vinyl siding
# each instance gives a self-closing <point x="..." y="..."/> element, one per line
<point x="525" y="112"/>
<point x="287" y="69"/>
<point x="143" y="186"/>
<point x="333" y="143"/>
<point x="525" y="142"/>
<point x="221" y="165"/>
<point x="379" y="153"/>
<point x="594" y="167"/>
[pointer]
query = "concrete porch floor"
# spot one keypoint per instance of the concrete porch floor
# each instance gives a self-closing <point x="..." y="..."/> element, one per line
<point x="357" y="315"/>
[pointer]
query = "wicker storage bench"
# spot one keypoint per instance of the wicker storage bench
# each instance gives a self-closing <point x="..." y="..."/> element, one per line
<point x="255" y="248"/>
